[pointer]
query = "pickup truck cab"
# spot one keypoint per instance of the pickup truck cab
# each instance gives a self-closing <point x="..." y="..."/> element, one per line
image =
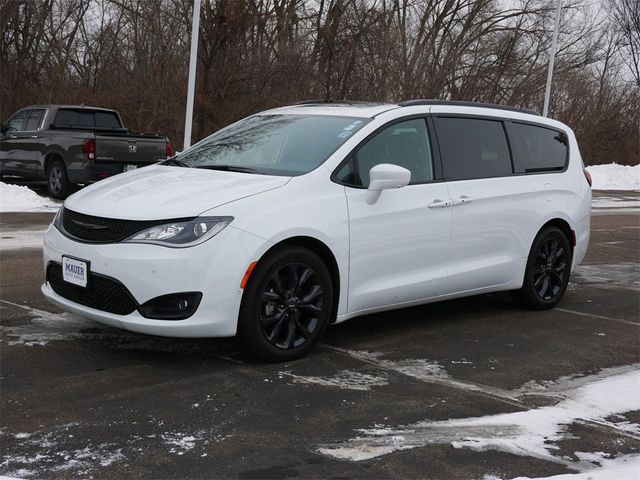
<point x="70" y="144"/>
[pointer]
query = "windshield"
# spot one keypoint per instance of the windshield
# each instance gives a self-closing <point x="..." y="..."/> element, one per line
<point x="271" y="144"/>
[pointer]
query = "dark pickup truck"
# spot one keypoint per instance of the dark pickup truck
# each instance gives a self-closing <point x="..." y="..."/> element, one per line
<point x="68" y="145"/>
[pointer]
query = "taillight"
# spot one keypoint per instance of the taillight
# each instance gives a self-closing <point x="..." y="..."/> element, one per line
<point x="89" y="148"/>
<point x="168" y="150"/>
<point x="587" y="175"/>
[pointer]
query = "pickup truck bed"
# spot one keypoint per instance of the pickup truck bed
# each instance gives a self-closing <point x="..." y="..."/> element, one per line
<point x="69" y="145"/>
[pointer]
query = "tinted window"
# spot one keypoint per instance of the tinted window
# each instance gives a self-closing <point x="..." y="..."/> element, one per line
<point x="405" y="144"/>
<point x="107" y="120"/>
<point x="17" y="122"/>
<point x="541" y="149"/>
<point x="274" y="144"/>
<point x="473" y="148"/>
<point x="74" y="118"/>
<point x="35" y="117"/>
<point x="347" y="174"/>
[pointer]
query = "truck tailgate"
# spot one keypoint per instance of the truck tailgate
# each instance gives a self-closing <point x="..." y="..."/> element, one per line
<point x="130" y="149"/>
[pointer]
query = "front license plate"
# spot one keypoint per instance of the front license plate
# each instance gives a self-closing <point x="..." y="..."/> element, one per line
<point x="128" y="167"/>
<point x="75" y="271"/>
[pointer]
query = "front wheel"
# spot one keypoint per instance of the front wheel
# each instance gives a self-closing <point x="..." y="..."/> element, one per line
<point x="286" y="306"/>
<point x="548" y="269"/>
<point x="57" y="181"/>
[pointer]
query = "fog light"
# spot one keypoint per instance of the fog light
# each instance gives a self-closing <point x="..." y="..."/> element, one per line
<point x="175" y="306"/>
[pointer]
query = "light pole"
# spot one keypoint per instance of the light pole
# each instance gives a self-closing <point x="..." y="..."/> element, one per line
<point x="193" y="61"/>
<point x="552" y="59"/>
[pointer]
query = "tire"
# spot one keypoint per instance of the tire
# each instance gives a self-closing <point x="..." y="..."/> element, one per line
<point x="286" y="306"/>
<point x="548" y="269"/>
<point x="58" y="184"/>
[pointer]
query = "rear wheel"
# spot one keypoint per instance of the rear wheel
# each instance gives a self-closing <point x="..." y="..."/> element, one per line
<point x="57" y="181"/>
<point x="548" y="269"/>
<point x="286" y="306"/>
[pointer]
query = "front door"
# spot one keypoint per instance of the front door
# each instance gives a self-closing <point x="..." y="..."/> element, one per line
<point x="399" y="243"/>
<point x="12" y="155"/>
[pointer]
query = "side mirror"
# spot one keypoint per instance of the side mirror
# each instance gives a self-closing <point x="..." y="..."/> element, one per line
<point x="386" y="177"/>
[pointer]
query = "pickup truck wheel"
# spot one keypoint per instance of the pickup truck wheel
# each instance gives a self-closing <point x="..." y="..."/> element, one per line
<point x="57" y="180"/>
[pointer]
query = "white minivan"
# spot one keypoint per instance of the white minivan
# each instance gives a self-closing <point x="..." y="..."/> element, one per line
<point x="299" y="217"/>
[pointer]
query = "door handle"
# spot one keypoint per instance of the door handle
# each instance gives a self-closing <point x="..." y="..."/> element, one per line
<point x="440" y="203"/>
<point x="34" y="136"/>
<point x="462" y="200"/>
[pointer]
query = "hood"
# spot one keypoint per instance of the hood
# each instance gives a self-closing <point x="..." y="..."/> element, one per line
<point x="159" y="192"/>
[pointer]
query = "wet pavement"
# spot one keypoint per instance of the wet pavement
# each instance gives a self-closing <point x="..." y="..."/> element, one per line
<point x="375" y="400"/>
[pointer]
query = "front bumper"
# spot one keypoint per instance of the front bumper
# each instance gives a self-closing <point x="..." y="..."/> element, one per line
<point x="214" y="268"/>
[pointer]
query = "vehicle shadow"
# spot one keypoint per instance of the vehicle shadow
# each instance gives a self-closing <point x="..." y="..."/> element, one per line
<point x="356" y="333"/>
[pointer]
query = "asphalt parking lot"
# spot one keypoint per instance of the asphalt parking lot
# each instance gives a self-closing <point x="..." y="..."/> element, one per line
<point x="82" y="400"/>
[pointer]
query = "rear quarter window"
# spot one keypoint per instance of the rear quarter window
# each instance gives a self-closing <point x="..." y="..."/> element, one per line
<point x="473" y="148"/>
<point x="540" y="149"/>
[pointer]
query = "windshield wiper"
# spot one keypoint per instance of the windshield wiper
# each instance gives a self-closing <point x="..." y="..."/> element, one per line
<point x="173" y="161"/>
<point x="230" y="168"/>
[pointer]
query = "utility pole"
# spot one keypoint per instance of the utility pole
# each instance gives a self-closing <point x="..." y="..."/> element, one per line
<point x="193" y="61"/>
<point x="552" y="59"/>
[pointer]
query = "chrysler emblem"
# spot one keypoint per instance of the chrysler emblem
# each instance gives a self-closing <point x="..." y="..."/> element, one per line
<point x="89" y="226"/>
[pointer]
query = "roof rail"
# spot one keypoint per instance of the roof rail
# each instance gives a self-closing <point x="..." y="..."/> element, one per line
<point x="326" y="100"/>
<point x="311" y="102"/>
<point x="459" y="103"/>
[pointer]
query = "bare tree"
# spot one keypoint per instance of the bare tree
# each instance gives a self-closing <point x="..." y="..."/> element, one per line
<point x="254" y="54"/>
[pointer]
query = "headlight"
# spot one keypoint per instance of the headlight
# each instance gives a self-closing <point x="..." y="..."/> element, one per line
<point x="181" y="234"/>
<point x="57" y="220"/>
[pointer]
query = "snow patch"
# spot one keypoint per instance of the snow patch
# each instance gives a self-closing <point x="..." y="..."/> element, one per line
<point x="16" y="198"/>
<point x="615" y="177"/>
<point x="23" y="238"/>
<point x="528" y="433"/>
<point x="50" y="458"/>
<point x="625" y="203"/>
<point x="345" y="380"/>
<point x="180" y="443"/>
<point x="623" y="467"/>
<point x="45" y="327"/>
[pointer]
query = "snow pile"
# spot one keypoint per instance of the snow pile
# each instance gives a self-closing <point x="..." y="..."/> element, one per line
<point x="16" y="198"/>
<point x="615" y="177"/>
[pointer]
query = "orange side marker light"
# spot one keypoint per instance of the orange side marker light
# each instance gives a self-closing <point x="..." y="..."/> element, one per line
<point x="247" y="274"/>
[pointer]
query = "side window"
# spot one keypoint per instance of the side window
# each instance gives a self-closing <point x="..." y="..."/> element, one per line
<point x="35" y="118"/>
<point x="347" y="174"/>
<point x="473" y="148"/>
<point x="541" y="149"/>
<point x="17" y="122"/>
<point x="405" y="144"/>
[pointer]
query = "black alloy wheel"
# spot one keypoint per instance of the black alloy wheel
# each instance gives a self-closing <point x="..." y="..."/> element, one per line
<point x="548" y="269"/>
<point x="291" y="305"/>
<point x="286" y="305"/>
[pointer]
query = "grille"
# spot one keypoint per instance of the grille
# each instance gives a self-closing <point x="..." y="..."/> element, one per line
<point x="102" y="293"/>
<point x="104" y="230"/>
